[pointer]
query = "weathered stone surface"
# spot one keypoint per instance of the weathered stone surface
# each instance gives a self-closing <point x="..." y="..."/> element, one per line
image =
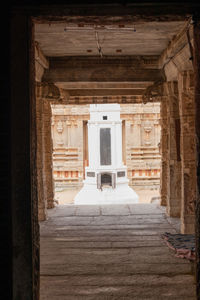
<point x="115" y="268"/>
<point x="88" y="210"/>
<point x="109" y="255"/>
<point x="53" y="242"/>
<point x="134" y="209"/>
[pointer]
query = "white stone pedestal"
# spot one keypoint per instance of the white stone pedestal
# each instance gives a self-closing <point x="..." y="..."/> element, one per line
<point x="106" y="177"/>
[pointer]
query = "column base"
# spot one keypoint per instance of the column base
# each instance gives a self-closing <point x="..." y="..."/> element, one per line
<point x="188" y="224"/>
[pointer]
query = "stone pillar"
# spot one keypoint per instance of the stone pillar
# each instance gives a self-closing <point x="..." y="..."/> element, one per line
<point x="45" y="94"/>
<point x="196" y="64"/>
<point x="39" y="125"/>
<point x="188" y="150"/>
<point x="164" y="176"/>
<point x="174" y="161"/>
<point x="47" y="155"/>
<point x="80" y="145"/>
<point x="25" y="230"/>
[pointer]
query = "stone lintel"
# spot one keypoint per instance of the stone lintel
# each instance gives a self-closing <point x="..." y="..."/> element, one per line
<point x="102" y="99"/>
<point x="103" y="85"/>
<point x="71" y="69"/>
<point x="105" y="92"/>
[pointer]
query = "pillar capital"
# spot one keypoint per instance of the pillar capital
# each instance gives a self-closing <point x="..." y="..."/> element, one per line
<point x="48" y="91"/>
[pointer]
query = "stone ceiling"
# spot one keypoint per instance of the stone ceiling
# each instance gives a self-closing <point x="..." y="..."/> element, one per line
<point x="141" y="38"/>
<point x="88" y="60"/>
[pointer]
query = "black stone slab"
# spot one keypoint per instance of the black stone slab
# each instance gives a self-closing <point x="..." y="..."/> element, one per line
<point x="105" y="146"/>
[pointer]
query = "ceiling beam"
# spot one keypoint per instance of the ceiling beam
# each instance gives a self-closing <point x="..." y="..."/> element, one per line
<point x="103" y="85"/>
<point x="100" y="99"/>
<point x="95" y="69"/>
<point x="105" y="92"/>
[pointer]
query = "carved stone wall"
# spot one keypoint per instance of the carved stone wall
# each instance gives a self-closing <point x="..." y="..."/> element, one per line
<point x="68" y="122"/>
<point x="142" y="138"/>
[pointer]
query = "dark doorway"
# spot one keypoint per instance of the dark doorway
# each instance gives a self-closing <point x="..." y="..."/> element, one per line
<point x="106" y="179"/>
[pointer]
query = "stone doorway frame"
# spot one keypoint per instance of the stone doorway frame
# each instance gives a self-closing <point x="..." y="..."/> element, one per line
<point x="25" y="228"/>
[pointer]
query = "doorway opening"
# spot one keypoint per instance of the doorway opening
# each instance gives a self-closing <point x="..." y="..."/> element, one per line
<point x="98" y="90"/>
<point x="140" y="149"/>
<point x="106" y="180"/>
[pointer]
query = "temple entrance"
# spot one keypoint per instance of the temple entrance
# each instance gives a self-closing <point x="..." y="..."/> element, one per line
<point x="139" y="95"/>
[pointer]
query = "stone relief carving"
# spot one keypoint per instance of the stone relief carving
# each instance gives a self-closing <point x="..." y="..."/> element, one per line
<point x="59" y="127"/>
<point x="147" y="129"/>
<point x="59" y="138"/>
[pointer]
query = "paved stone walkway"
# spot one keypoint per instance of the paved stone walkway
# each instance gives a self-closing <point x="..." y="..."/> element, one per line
<point x="111" y="252"/>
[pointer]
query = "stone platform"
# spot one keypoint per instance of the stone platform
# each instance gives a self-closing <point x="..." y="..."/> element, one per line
<point x="90" y="195"/>
<point x="111" y="252"/>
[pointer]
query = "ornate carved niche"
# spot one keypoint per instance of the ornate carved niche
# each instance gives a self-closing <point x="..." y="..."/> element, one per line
<point x="59" y="127"/>
<point x="147" y="136"/>
<point x="59" y="137"/>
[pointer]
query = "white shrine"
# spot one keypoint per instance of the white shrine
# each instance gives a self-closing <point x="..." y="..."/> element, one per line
<point x="106" y="176"/>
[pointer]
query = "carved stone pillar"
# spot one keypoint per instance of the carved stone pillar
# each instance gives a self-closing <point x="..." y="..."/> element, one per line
<point x="174" y="161"/>
<point x="196" y="63"/>
<point x="45" y="94"/>
<point x="47" y="155"/>
<point x="42" y="206"/>
<point x="164" y="178"/>
<point x="188" y="151"/>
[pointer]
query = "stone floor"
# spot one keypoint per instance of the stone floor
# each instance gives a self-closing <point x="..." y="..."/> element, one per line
<point x="111" y="252"/>
<point x="67" y="196"/>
